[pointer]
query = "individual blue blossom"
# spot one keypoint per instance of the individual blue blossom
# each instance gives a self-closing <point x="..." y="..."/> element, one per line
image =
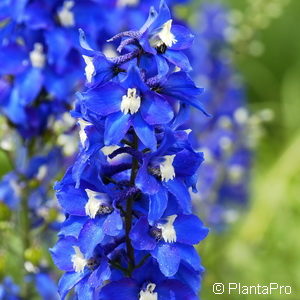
<point x="148" y="283"/>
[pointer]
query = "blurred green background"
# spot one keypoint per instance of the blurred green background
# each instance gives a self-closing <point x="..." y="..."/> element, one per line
<point x="264" y="245"/>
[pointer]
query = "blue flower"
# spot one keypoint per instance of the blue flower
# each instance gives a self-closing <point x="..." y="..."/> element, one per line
<point x="170" y="240"/>
<point x="149" y="283"/>
<point x="83" y="263"/>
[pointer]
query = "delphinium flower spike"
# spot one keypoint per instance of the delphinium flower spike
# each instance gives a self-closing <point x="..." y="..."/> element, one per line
<point x="129" y="230"/>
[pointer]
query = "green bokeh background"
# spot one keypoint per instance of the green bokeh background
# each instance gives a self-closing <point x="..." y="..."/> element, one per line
<point x="264" y="245"/>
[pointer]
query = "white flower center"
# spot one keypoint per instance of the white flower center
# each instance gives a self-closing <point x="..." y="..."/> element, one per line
<point x="149" y="293"/>
<point x="82" y="135"/>
<point x="78" y="260"/>
<point x="37" y="56"/>
<point x="164" y="36"/>
<point x="168" y="231"/>
<point x="93" y="204"/>
<point x="65" y="15"/>
<point x="130" y="102"/>
<point x="89" y="68"/>
<point x="122" y="3"/>
<point x="166" y="168"/>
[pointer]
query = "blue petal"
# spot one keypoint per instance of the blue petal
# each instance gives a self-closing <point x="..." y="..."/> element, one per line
<point x="90" y="236"/>
<point x="183" y="36"/>
<point x="168" y="258"/>
<point x="155" y="109"/>
<point x="125" y="289"/>
<point x="145" y="132"/>
<point x="12" y="58"/>
<point x="175" y="290"/>
<point x="179" y="59"/>
<point x="59" y="45"/>
<point x="116" y="126"/>
<point x="186" y="162"/>
<point x="189" y="229"/>
<point x="104" y="100"/>
<point x="162" y="66"/>
<point x="134" y="80"/>
<point x="163" y="16"/>
<point x="67" y="282"/>
<point x="46" y="286"/>
<point x="180" y="86"/>
<point x="29" y="85"/>
<point x="146" y="182"/>
<point x="62" y="253"/>
<point x="140" y="237"/>
<point x="157" y="205"/>
<point x="189" y="254"/>
<point x="72" y="226"/>
<point x="101" y="274"/>
<point x="72" y="200"/>
<point x="113" y="224"/>
<point x="84" y="291"/>
<point x="189" y="277"/>
<point x="14" y="110"/>
<point x="179" y="190"/>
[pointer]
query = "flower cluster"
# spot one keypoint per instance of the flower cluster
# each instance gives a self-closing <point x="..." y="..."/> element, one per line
<point x="225" y="138"/>
<point x="129" y="221"/>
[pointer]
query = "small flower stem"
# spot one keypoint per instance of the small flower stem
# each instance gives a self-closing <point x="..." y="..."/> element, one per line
<point x="129" y="204"/>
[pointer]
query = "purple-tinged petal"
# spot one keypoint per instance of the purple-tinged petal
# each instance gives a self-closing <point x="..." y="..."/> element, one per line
<point x="179" y="190"/>
<point x="125" y="289"/>
<point x="116" y="126"/>
<point x="140" y="237"/>
<point x="168" y="258"/>
<point x="155" y="109"/>
<point x="104" y="100"/>
<point x="113" y="224"/>
<point x="145" y="132"/>
<point x="189" y="229"/>
<point x="157" y="205"/>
